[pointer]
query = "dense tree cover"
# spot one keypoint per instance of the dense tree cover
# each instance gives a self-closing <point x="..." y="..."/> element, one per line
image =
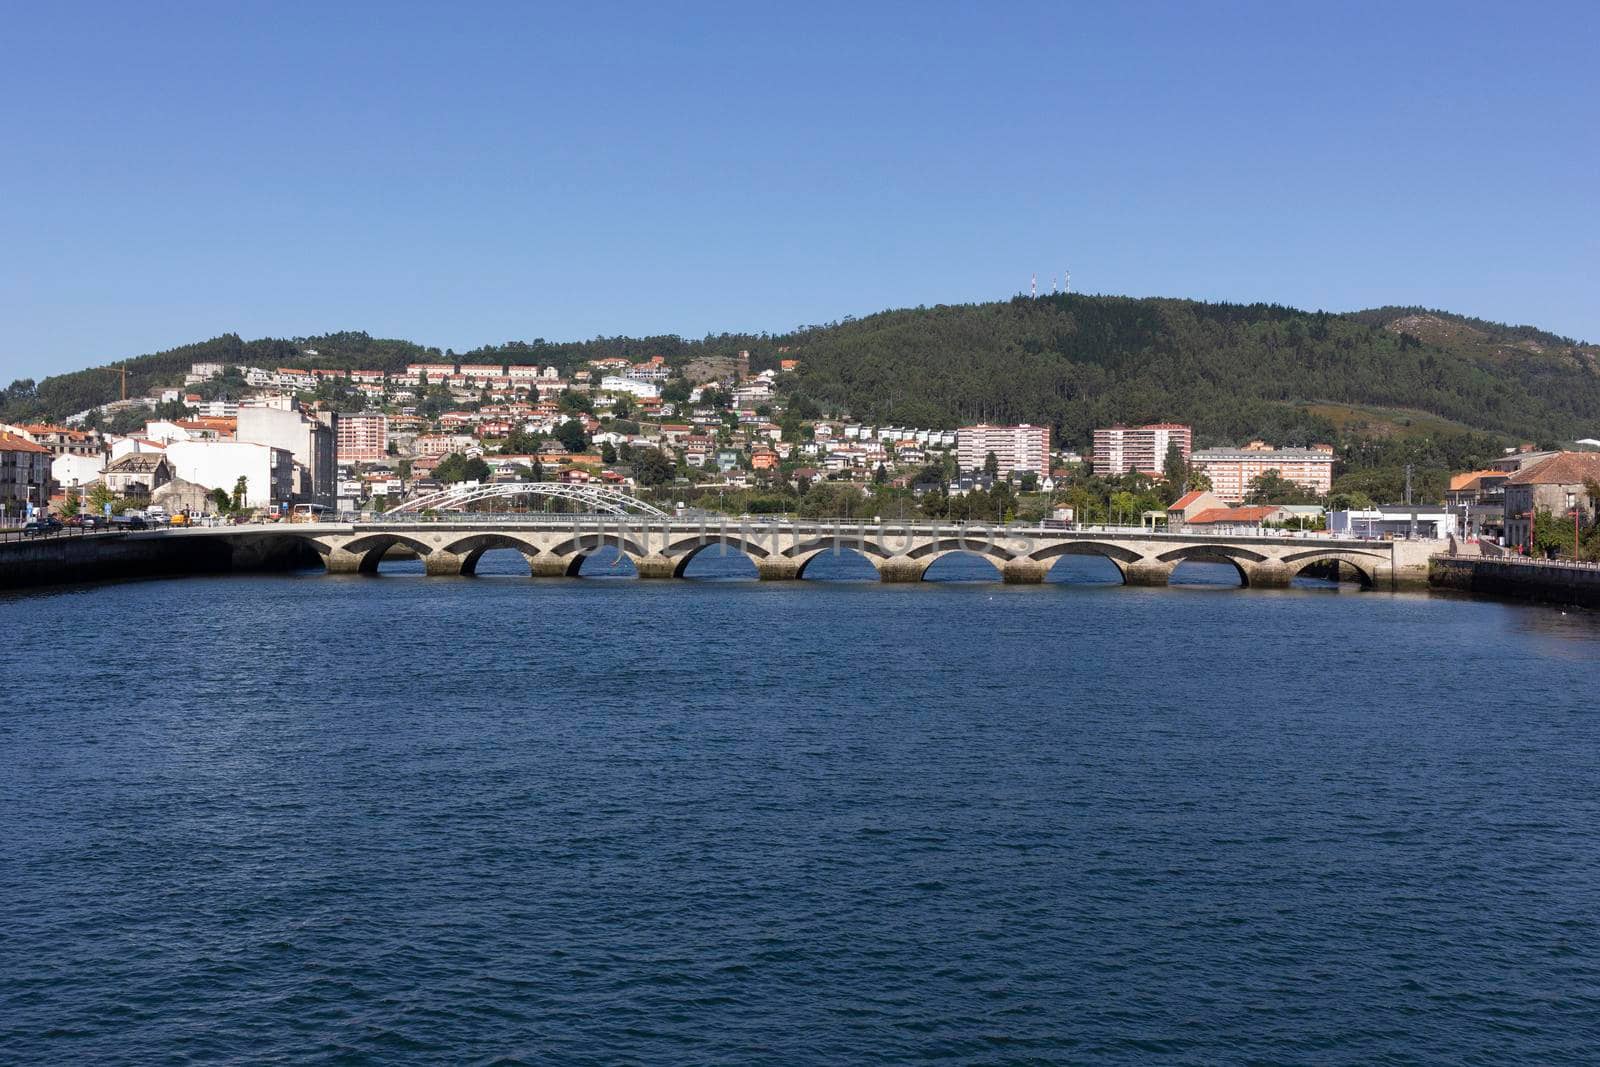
<point x="1231" y="371"/>
<point x="651" y="466"/>
<point x="457" y="467"/>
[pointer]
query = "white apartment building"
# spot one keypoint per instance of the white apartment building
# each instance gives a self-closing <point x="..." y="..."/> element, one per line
<point x="616" y="383"/>
<point x="1121" y="449"/>
<point x="1016" y="448"/>
<point x="1231" y="470"/>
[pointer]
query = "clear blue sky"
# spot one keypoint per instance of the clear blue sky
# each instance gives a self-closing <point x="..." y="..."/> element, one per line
<point x="462" y="174"/>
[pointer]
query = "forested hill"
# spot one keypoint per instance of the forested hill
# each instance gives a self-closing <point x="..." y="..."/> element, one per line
<point x="1233" y="371"/>
<point x="1073" y="362"/>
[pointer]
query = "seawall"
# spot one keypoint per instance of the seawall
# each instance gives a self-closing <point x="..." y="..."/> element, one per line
<point x="62" y="560"/>
<point x="1545" y="581"/>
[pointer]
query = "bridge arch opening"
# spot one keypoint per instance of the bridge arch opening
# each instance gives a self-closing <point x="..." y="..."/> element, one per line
<point x="1209" y="572"/>
<point x="1332" y="573"/>
<point x="838" y="565"/>
<point x="497" y="562"/>
<point x="962" y="566"/>
<point x="716" y="562"/>
<point x="389" y="554"/>
<point x="1084" y="568"/>
<point x="494" y="555"/>
<point x="603" y="562"/>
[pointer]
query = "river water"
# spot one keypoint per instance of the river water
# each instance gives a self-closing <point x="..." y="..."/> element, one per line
<point x="306" y="819"/>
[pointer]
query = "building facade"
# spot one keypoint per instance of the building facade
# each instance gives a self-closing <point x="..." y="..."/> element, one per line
<point x="1015" y="448"/>
<point x="311" y="441"/>
<point x="268" y="472"/>
<point x="1123" y="449"/>
<point x="1558" y="485"/>
<point x="1231" y="470"/>
<point x="24" y="473"/>
<point x="361" y="438"/>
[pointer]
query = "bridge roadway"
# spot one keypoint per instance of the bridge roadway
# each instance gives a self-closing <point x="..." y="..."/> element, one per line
<point x="556" y="545"/>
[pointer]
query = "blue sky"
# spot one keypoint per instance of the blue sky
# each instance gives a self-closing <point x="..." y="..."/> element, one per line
<point x="463" y="174"/>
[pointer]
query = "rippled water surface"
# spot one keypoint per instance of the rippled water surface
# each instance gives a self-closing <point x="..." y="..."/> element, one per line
<point x="310" y="819"/>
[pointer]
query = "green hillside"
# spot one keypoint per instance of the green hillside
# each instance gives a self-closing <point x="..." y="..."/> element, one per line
<point x="1389" y="386"/>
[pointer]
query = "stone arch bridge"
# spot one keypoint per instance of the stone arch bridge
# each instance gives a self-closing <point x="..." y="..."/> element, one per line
<point x="662" y="548"/>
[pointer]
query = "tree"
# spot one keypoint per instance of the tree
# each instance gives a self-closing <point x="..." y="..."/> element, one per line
<point x="1270" y="487"/>
<point x="608" y="453"/>
<point x="676" y="391"/>
<point x="1175" y="468"/>
<point x="99" y="497"/>
<point x="240" y="489"/>
<point x="652" y="467"/>
<point x="221" y="501"/>
<point x="520" y="443"/>
<point x="69" y="505"/>
<point x="991" y="465"/>
<point x="1350" y="501"/>
<point x="880" y="475"/>
<point x="571" y="436"/>
<point x="456" y="467"/>
<point x="1030" y="482"/>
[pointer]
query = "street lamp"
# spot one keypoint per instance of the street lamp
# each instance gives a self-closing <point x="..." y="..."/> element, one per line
<point x="1572" y="506"/>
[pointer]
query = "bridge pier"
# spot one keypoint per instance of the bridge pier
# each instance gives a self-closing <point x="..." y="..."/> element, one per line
<point x="1024" y="571"/>
<point x="1146" y="572"/>
<point x="656" y="565"/>
<point x="338" y="561"/>
<point x="778" y="569"/>
<point x="550" y="565"/>
<point x="1269" y="574"/>
<point x="439" y="564"/>
<point x="901" y="569"/>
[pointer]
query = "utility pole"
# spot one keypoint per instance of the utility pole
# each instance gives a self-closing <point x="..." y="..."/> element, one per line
<point x="1411" y="529"/>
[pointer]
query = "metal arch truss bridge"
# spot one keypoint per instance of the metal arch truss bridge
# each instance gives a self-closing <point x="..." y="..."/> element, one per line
<point x="596" y="499"/>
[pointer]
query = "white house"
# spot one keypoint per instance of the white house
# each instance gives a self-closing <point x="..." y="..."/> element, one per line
<point x="616" y="383"/>
<point x="268" y="472"/>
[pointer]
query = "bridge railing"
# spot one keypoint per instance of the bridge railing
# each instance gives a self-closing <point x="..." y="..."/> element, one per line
<point x="16" y="533"/>
<point x="1522" y="561"/>
<point x="851" y="525"/>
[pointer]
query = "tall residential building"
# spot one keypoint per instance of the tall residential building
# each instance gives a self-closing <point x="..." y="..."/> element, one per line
<point x="1231" y="470"/>
<point x="1121" y="449"/>
<point x="361" y="438"/>
<point x="309" y="440"/>
<point x="1015" y="448"/>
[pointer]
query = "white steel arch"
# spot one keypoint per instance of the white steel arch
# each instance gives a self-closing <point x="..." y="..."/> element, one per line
<point x="595" y="497"/>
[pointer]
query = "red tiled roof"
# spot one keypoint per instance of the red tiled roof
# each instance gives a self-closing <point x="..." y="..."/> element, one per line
<point x="1563" y="468"/>
<point x="1253" y="514"/>
<point x="1186" y="499"/>
<point x="1468" y="479"/>
<point x="10" y="442"/>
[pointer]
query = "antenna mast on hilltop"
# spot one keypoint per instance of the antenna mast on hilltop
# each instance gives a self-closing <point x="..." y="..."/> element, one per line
<point x="1066" y="283"/>
<point x="1033" y="286"/>
<point x="1052" y="285"/>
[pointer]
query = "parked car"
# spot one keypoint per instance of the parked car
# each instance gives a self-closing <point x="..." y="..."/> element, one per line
<point x="131" y="522"/>
<point x="41" y="526"/>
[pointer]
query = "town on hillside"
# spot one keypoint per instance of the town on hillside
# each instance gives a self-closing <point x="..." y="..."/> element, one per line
<point x="235" y="443"/>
